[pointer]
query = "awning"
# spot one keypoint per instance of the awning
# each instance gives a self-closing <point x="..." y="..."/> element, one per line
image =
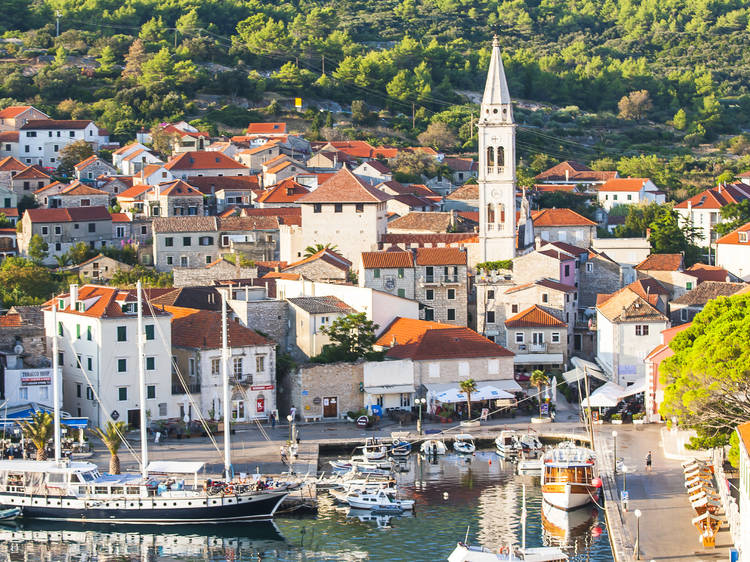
<point x="580" y="368"/>
<point x="75" y="422"/>
<point x="635" y="388"/>
<point x="538" y="359"/>
<point x="391" y="389"/>
<point x="608" y="396"/>
<point x="174" y="467"/>
<point x="484" y="393"/>
<point x="508" y="385"/>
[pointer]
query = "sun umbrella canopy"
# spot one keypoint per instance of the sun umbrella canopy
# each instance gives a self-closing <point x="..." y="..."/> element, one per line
<point x="482" y="393"/>
<point x="608" y="396"/>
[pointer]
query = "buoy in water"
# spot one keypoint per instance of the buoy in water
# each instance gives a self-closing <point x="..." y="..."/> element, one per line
<point x="596" y="482"/>
<point x="445" y="495"/>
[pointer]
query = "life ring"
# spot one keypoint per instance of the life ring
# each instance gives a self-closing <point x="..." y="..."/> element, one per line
<point x="504" y="550"/>
<point x="229" y="490"/>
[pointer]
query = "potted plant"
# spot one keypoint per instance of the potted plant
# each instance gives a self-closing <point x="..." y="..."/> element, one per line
<point x="616" y="419"/>
<point x="639" y="418"/>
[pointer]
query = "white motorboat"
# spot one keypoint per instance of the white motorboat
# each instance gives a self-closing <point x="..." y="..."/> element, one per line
<point x="532" y="467"/>
<point x="374" y="450"/>
<point x="568" y="478"/>
<point x="360" y="464"/>
<point x="433" y="447"/>
<point x="506" y="444"/>
<point x="465" y="553"/>
<point x="378" y="501"/>
<point x="464" y="443"/>
<point x="529" y="444"/>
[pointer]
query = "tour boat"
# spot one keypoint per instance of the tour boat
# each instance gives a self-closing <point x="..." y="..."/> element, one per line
<point x="506" y="444"/>
<point x="562" y="527"/>
<point x="464" y="443"/>
<point x="433" y="447"/>
<point x="568" y="476"/>
<point x="374" y="450"/>
<point x="381" y="500"/>
<point x="77" y="491"/>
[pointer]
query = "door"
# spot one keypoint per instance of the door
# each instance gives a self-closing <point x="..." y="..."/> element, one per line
<point x="330" y="407"/>
<point x="134" y="419"/>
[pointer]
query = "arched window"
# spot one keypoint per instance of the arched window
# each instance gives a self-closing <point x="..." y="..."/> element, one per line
<point x="490" y="158"/>
<point x="490" y="213"/>
<point x="500" y="157"/>
<point x="501" y="212"/>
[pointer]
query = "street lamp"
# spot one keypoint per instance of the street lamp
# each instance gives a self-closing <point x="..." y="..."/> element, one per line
<point x="289" y="419"/>
<point x="614" y="449"/>
<point x="636" y="550"/>
<point x="624" y="488"/>
<point x="420" y="401"/>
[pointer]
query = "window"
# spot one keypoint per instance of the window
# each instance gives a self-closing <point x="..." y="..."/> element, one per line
<point x="376" y="273"/>
<point x="206" y="241"/>
<point x="430" y="294"/>
<point x="545" y="297"/>
<point x="59" y="329"/>
<point x="151" y="391"/>
<point x="451" y="314"/>
<point x="149" y="331"/>
<point x="45" y="230"/>
<point x="79" y="389"/>
<point x="216" y="367"/>
<point x="144" y="230"/>
<point x="577" y="342"/>
<point x="58" y="230"/>
<point x="589" y="267"/>
<point x="360" y="207"/>
<point x="641" y="329"/>
<point x="209" y="259"/>
<point x="317" y="208"/>
<point x="689" y="285"/>
<point x="89" y="393"/>
<point x="567" y="269"/>
<point x="237" y="366"/>
<point x="519" y="337"/>
<point x="90" y="363"/>
<point x="78" y="331"/>
<point x="401" y="293"/>
<point x="122" y="333"/>
<point x="23" y="393"/>
<point x="169" y="241"/>
<point x="163" y="409"/>
<point x="183" y="261"/>
<point x="490" y="317"/>
<point x="191" y="366"/>
<point x="451" y="294"/>
<point x="429" y="314"/>
<point x="630" y="197"/>
<point x="514" y="309"/>
<point x="490" y="295"/>
<point x="79" y="364"/>
<point x="338" y="207"/>
<point x="170" y="260"/>
<point x="92" y="227"/>
<point x="684" y="314"/>
<point x="555" y="337"/>
<point x="88" y="332"/>
<point x="260" y="363"/>
<point x="122" y="393"/>
<point x="400" y="272"/>
<point x="150" y="363"/>
<point x="187" y="241"/>
<point x="122" y="365"/>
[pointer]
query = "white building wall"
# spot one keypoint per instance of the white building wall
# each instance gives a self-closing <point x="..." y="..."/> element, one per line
<point x="744" y="544"/>
<point x="735" y="258"/>
<point x="31" y="385"/>
<point x="605" y="343"/>
<point x="44" y="147"/>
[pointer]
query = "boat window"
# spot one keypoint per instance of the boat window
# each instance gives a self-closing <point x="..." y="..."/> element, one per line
<point x="100" y="489"/>
<point x="133" y="490"/>
<point x="118" y="490"/>
<point x="87" y="476"/>
<point x="56" y="477"/>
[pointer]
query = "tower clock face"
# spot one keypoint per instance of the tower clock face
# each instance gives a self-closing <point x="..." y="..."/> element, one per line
<point x="495" y="193"/>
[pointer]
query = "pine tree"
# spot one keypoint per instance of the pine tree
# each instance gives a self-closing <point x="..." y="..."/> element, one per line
<point x="134" y="59"/>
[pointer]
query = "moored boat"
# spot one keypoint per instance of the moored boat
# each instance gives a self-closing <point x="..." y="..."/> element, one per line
<point x="568" y="478"/>
<point x="374" y="450"/>
<point x="433" y="447"/>
<point x="506" y="444"/>
<point x="466" y="553"/>
<point x="381" y="500"/>
<point x="400" y="448"/>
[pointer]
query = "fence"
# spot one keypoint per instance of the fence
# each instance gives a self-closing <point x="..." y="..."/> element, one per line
<point x="731" y="509"/>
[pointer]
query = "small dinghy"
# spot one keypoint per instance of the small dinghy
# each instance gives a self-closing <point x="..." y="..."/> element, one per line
<point x="464" y="444"/>
<point x="10" y="514"/>
<point x="433" y="447"/>
<point x="378" y="501"/>
<point x="374" y="450"/>
<point x="400" y="448"/>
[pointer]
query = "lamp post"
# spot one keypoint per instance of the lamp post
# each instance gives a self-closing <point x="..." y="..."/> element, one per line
<point x="289" y="419"/>
<point x="624" y="488"/>
<point x="420" y="401"/>
<point x="614" y="449"/>
<point x="637" y="548"/>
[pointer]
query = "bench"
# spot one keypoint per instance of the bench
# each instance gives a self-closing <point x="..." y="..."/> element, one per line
<point x="308" y="419"/>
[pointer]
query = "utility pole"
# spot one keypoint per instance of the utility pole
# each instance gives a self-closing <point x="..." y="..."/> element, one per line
<point x="588" y="409"/>
<point x="58" y="15"/>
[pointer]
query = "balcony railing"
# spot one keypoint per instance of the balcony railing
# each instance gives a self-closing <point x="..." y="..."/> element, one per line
<point x="537" y="348"/>
<point x="192" y="388"/>
<point x="440" y="279"/>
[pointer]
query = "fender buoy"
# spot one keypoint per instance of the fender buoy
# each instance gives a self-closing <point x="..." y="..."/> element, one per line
<point x="229" y="490"/>
<point x="504" y="550"/>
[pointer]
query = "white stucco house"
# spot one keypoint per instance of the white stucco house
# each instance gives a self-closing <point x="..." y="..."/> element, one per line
<point x="629" y="191"/>
<point x="733" y="252"/>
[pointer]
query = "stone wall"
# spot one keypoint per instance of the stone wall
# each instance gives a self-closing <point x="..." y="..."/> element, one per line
<point x="309" y="385"/>
<point x="201" y="276"/>
<point x="32" y="339"/>
<point x="269" y="317"/>
<point x="534" y="266"/>
<point x="318" y="270"/>
<point x="604" y="277"/>
<point x="440" y="288"/>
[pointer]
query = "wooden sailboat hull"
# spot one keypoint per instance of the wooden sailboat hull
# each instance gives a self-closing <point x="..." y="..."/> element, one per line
<point x="568" y="496"/>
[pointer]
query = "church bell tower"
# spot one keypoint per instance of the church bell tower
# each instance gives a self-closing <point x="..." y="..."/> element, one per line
<point x="497" y="166"/>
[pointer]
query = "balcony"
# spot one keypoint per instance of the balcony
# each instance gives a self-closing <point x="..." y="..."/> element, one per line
<point x="192" y="388"/>
<point x="537" y="348"/>
<point x="439" y="280"/>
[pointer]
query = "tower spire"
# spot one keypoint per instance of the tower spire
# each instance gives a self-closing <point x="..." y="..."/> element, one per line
<point x="496" y="91"/>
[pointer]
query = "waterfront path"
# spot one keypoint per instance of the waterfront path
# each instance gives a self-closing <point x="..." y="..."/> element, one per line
<point x="666" y="531"/>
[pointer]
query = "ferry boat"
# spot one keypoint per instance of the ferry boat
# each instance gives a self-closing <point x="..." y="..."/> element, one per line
<point x="77" y="491"/>
<point x="568" y="476"/>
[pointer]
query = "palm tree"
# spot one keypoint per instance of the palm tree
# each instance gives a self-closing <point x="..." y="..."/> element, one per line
<point x="539" y="379"/>
<point x="312" y="250"/>
<point x="39" y="432"/>
<point x="62" y="260"/>
<point x="468" y="386"/>
<point x="112" y="437"/>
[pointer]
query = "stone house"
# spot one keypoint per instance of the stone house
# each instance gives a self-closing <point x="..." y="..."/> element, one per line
<point x="669" y="270"/>
<point x="425" y="223"/>
<point x="574" y="173"/>
<point x="8" y="143"/>
<point x="324" y="265"/>
<point x="14" y="117"/>
<point x="462" y="169"/>
<point x="78" y="194"/>
<point x="223" y="192"/>
<point x="281" y="168"/>
<point x="43" y="195"/>
<point x="564" y="225"/>
<point x="283" y="194"/>
<point x="408" y="203"/>
<point x="441" y="284"/>
<point x="9" y="167"/>
<point x="346" y="211"/>
<point x="256" y="156"/>
<point x="63" y="228"/>
<point x="131" y="158"/>
<point x="97" y="269"/>
<point x="330" y="160"/>
<point x="601" y="274"/>
<point x="41" y="140"/>
<point x="391" y="271"/>
<point x="538" y="339"/>
<point x="307" y="315"/>
<point x="373" y="172"/>
<point x="197" y="350"/>
<point x="24" y="326"/>
<point x="465" y="198"/>
<point x="684" y="308"/>
<point x="204" y="163"/>
<point x="92" y="167"/>
<point x="153" y="174"/>
<point x="114" y="185"/>
<point x="550" y="263"/>
<point x="174" y="199"/>
<point x="8" y="199"/>
<point x="218" y="270"/>
<point x="254" y="308"/>
<point x="29" y="180"/>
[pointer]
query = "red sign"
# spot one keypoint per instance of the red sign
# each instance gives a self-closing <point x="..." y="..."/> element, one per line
<point x="362" y="421"/>
<point x="262" y="387"/>
<point x="260" y="405"/>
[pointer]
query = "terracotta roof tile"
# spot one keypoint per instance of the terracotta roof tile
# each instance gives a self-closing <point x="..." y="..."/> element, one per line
<point x="266" y="128"/>
<point x="201" y="329"/>
<point x="120" y="217"/>
<point x="184" y="224"/>
<point x="284" y="215"/>
<point x="9" y="136"/>
<point x="325" y="255"/>
<point x="46" y="124"/>
<point x="385" y="260"/>
<point x="55" y="185"/>
<point x="550" y="188"/>
<point x="448" y="343"/>
<point x="420" y="220"/>
<point x="11" y="320"/>
<point x="71" y="214"/>
<point x="626" y="305"/>
<point x="178" y="188"/>
<point x="717" y="197"/>
<point x="440" y="256"/>
<point x="743" y="430"/>
<point x="467" y="192"/>
<point x="13" y="111"/>
<point x="575" y="172"/>
<point x="282" y="275"/>
<point x="344" y="187"/>
<point x="286" y="191"/>
<point x="217" y="183"/>
<point x="203" y="160"/>
<point x="243" y="224"/>
<point x="10" y="212"/>
<point x="709" y="290"/>
<point x="31" y="173"/>
<point x="406" y="330"/>
<point x="78" y="188"/>
<point x="708" y="272"/>
<point x="461" y="164"/>
<point x="624" y="184"/>
<point x="322" y="305"/>
<point x="446" y="238"/>
<point x="10" y="164"/>
<point x="135" y="191"/>
<point x="734" y="236"/>
<point x="661" y="262"/>
<point x="560" y="217"/>
<point x="533" y="317"/>
<point x="105" y="302"/>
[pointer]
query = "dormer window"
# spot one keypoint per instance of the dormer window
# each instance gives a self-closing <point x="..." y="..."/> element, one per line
<point x="743" y="237"/>
<point x="130" y="307"/>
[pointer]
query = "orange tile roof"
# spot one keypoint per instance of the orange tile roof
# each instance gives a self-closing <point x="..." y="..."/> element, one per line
<point x="266" y="146"/>
<point x="661" y="262"/>
<point x="406" y="330"/>
<point x="328" y="256"/>
<point x="86" y="161"/>
<point x="282" y="275"/>
<point x="78" y="188"/>
<point x="106" y="302"/>
<point x="345" y="187"/>
<point x="357" y="149"/>
<point x="385" y="260"/>
<point x="534" y="317"/>
<point x="286" y="191"/>
<point x="70" y="214"/>
<point x="228" y="183"/>
<point x="278" y="167"/>
<point x="203" y="160"/>
<point x="448" y="343"/>
<point x="201" y="329"/>
<point x="13" y="111"/>
<point x="706" y="272"/>
<point x="440" y="256"/>
<point x="10" y="164"/>
<point x="11" y="321"/>
<point x="9" y="136"/>
<point x="177" y="131"/>
<point x="550" y="187"/>
<point x="448" y="238"/>
<point x="743" y="430"/>
<point x="178" y="188"/>
<point x="54" y="185"/>
<point x="467" y="192"/>
<point x="385" y="152"/>
<point x="266" y="128"/>
<point x="717" y="197"/>
<point x="575" y="172"/>
<point x="31" y="173"/>
<point x="46" y="124"/>
<point x="559" y="217"/>
<point x="734" y="236"/>
<point x="135" y="191"/>
<point x="120" y="217"/>
<point x="624" y="184"/>
<point x="133" y="154"/>
<point x="125" y="148"/>
<point x="9" y="212"/>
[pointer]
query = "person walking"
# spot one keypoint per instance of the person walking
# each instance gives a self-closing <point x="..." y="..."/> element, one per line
<point x="648" y="462"/>
<point x="273" y="419"/>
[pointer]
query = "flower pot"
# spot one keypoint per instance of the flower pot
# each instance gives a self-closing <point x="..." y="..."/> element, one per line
<point x="639" y="422"/>
<point x="616" y="422"/>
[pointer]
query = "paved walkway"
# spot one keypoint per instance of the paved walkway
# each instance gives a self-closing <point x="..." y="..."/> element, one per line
<point x="666" y="531"/>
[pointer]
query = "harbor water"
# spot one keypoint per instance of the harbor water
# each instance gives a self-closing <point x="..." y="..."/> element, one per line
<point x="478" y="492"/>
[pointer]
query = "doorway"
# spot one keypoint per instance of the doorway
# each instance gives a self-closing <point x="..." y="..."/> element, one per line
<point x="134" y="419"/>
<point x="330" y="407"/>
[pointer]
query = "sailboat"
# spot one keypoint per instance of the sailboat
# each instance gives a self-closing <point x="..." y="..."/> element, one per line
<point x="77" y="491"/>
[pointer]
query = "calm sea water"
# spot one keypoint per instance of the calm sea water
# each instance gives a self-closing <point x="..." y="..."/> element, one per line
<point x="483" y="494"/>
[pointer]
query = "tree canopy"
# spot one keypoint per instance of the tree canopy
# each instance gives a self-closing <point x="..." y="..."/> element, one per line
<point x="352" y="337"/>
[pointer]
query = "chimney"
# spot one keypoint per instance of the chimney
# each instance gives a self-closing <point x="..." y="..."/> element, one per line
<point x="690" y="206"/>
<point x="720" y="186"/>
<point x="453" y="218"/>
<point x="648" y="234"/>
<point x="567" y="175"/>
<point x="73" y="296"/>
<point x="335" y="160"/>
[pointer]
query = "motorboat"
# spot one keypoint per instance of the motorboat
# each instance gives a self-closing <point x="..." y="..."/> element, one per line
<point x="568" y="478"/>
<point x="381" y="500"/>
<point x="10" y="514"/>
<point x="464" y="443"/>
<point x="529" y="444"/>
<point x="400" y="448"/>
<point x="532" y="467"/>
<point x="360" y="464"/>
<point x="433" y="447"/>
<point x="506" y="444"/>
<point x="374" y="450"/>
<point x="466" y="553"/>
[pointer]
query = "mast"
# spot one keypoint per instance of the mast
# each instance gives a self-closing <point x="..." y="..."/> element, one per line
<point x="588" y="408"/>
<point x="142" y="383"/>
<point x="56" y="384"/>
<point x="523" y="521"/>
<point x="227" y="410"/>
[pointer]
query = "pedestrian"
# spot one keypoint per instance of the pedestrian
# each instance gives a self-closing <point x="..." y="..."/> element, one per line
<point x="157" y="436"/>
<point x="283" y="454"/>
<point x="273" y="419"/>
<point x="648" y="461"/>
<point x="293" y="412"/>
